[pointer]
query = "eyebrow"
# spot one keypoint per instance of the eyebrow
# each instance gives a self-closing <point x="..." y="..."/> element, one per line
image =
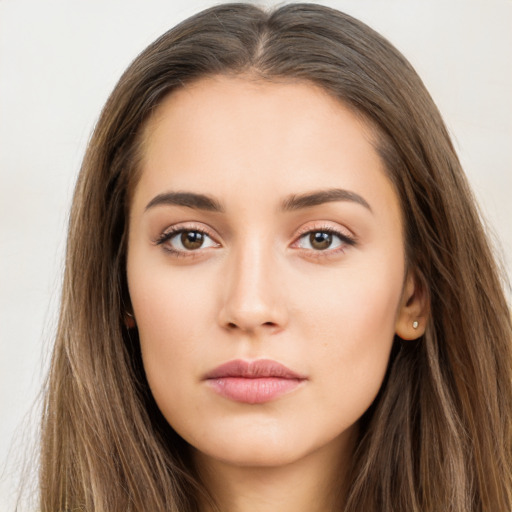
<point x="188" y="199"/>
<point x="292" y="203"/>
<point x="310" y="199"/>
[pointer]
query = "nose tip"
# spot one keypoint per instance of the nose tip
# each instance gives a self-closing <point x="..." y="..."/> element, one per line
<point x="253" y="298"/>
<point x="252" y="320"/>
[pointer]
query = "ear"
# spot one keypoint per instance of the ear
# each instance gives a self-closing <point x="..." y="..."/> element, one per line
<point x="129" y="320"/>
<point x="414" y="309"/>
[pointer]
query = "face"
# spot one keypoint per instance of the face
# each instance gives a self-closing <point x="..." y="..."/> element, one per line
<point x="265" y="268"/>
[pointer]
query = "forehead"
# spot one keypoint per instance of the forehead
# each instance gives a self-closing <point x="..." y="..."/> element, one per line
<point x="282" y="106"/>
<point x="249" y="136"/>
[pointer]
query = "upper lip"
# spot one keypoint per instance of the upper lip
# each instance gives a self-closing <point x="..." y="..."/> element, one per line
<point x="259" y="368"/>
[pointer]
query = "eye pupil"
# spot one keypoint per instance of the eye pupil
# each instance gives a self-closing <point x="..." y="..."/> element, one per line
<point x="192" y="239"/>
<point x="320" y="240"/>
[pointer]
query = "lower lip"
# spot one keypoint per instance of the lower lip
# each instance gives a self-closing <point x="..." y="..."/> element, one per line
<point x="253" y="390"/>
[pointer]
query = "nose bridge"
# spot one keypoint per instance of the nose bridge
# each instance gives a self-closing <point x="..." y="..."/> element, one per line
<point x="252" y="294"/>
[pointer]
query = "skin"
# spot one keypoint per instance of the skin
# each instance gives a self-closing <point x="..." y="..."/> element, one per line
<point x="258" y="288"/>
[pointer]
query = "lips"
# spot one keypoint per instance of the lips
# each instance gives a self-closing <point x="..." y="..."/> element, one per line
<point x="253" y="382"/>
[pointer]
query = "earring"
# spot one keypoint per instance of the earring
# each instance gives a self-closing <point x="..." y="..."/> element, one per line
<point x="415" y="324"/>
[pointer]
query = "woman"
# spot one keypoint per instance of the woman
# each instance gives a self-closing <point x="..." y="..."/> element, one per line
<point x="278" y="292"/>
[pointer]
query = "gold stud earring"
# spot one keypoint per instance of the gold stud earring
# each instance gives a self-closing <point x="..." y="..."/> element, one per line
<point x="415" y="324"/>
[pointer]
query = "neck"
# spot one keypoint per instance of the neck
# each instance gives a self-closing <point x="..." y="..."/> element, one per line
<point x="312" y="484"/>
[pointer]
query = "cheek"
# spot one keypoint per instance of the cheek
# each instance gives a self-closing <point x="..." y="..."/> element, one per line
<point x="171" y="315"/>
<point x="352" y="322"/>
<point x="357" y="304"/>
<point x="167" y="299"/>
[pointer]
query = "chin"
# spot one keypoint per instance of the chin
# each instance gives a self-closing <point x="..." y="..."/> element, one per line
<point x="257" y="454"/>
<point x="261" y="447"/>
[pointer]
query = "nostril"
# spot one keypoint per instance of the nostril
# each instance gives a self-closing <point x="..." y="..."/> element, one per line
<point x="233" y="325"/>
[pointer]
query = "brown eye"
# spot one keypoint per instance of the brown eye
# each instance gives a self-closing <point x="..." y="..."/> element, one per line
<point x="320" y="240"/>
<point x="186" y="241"/>
<point x="324" y="240"/>
<point x="192" y="240"/>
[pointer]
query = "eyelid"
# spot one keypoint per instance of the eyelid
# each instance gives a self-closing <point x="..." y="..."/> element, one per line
<point x="326" y="226"/>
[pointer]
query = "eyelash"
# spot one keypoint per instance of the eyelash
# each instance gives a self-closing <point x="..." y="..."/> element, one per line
<point x="345" y="240"/>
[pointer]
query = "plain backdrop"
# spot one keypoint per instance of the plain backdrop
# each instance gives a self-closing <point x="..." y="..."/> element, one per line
<point x="59" y="59"/>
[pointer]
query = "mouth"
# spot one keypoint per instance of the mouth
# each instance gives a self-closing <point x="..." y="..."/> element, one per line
<point x="253" y="382"/>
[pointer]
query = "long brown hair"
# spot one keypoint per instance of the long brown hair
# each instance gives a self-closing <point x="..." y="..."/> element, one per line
<point x="439" y="435"/>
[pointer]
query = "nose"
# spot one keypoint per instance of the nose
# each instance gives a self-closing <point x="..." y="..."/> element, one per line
<point x="253" y="298"/>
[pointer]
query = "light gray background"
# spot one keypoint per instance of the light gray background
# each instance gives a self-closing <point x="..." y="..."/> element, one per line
<point x="60" y="59"/>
